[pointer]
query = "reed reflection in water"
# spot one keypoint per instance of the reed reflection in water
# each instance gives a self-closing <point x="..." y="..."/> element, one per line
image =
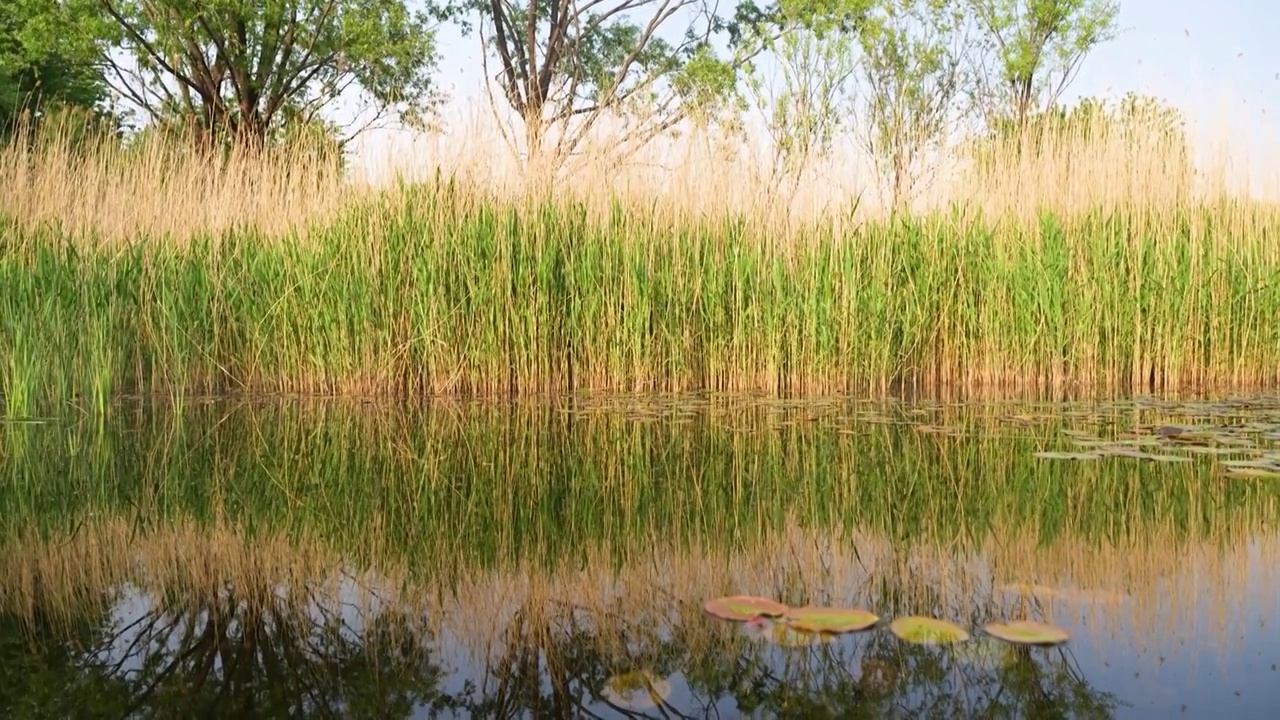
<point x="536" y="561"/>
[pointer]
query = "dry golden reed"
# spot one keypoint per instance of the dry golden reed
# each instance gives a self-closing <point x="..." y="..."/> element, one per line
<point x="157" y="187"/>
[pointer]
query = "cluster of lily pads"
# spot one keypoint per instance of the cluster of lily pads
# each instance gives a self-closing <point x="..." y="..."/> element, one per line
<point x="1176" y="443"/>
<point x="826" y="622"/>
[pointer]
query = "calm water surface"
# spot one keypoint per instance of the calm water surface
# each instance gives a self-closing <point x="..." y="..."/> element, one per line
<point x="264" y="559"/>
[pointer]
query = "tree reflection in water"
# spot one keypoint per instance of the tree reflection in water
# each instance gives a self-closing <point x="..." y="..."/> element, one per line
<point x="271" y="652"/>
<point x="234" y="654"/>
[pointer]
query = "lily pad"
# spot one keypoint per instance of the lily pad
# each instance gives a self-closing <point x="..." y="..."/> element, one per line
<point x="1207" y="450"/>
<point x="1261" y="464"/>
<point x="636" y="690"/>
<point x="830" y="620"/>
<point x="780" y="633"/>
<point x="1053" y="455"/>
<point x="1259" y="473"/>
<point x="1168" y="458"/>
<point x="741" y="608"/>
<point x="936" y="430"/>
<point x="1125" y="451"/>
<point x="1027" y="632"/>
<point x="927" y="631"/>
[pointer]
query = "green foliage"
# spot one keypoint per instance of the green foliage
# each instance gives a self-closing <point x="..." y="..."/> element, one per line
<point x="809" y="103"/>
<point x="237" y="70"/>
<point x="1032" y="49"/>
<point x="48" y="60"/>
<point x="911" y="68"/>
<point x="619" y="58"/>
<point x="708" y="86"/>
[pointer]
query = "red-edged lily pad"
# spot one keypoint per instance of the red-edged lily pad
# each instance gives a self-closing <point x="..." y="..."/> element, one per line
<point x="829" y="619"/>
<point x="741" y="608"/>
<point x="1027" y="632"/>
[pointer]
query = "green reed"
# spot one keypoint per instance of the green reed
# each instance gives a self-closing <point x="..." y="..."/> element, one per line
<point x="495" y="485"/>
<point x="433" y="290"/>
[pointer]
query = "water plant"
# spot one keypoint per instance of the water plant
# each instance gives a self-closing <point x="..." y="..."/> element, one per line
<point x="742" y="608"/>
<point x="927" y="631"/>
<point x="783" y="634"/>
<point x="1027" y="632"/>
<point x="829" y="620"/>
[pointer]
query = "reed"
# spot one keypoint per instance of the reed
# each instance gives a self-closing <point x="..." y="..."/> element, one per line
<point x="135" y="271"/>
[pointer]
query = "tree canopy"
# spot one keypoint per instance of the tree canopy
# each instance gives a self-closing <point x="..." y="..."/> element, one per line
<point x="49" y="54"/>
<point x="240" y="70"/>
<point x="249" y="73"/>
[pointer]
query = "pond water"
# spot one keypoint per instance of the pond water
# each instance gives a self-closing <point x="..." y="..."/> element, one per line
<point x="553" y="559"/>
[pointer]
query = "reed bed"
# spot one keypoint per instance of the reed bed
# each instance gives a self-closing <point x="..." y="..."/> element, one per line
<point x="271" y="277"/>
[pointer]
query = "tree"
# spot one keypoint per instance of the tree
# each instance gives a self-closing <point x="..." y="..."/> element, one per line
<point x="1031" y="50"/>
<point x="807" y="103"/>
<point x="913" y="76"/>
<point x="235" y="70"/>
<point x="48" y="62"/>
<point x="564" y="65"/>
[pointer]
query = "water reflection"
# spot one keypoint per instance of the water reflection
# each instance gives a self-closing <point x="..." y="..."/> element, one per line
<point x="340" y="649"/>
<point x="503" y="562"/>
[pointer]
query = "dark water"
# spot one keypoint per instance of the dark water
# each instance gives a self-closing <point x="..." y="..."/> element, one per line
<point x="336" y="560"/>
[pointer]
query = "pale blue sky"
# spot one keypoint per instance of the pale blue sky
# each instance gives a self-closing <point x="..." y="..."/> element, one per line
<point x="1218" y="61"/>
<point x="1189" y="51"/>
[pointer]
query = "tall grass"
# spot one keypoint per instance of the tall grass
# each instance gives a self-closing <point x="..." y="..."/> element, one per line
<point x="135" y="271"/>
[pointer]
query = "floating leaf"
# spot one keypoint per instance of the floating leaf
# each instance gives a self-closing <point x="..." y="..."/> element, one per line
<point x="1208" y="450"/>
<point x="1027" y="632"/>
<point x="1168" y="458"/>
<point x="927" y="631"/>
<point x="1051" y="455"/>
<point x="1039" y="592"/>
<point x="830" y="620"/>
<point x="636" y="690"/>
<point x="24" y="421"/>
<point x="1253" y="473"/>
<point x="741" y="608"/>
<point x="937" y="430"/>
<point x="780" y="633"/>
<point x="1261" y="464"/>
<point x="1081" y="435"/>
